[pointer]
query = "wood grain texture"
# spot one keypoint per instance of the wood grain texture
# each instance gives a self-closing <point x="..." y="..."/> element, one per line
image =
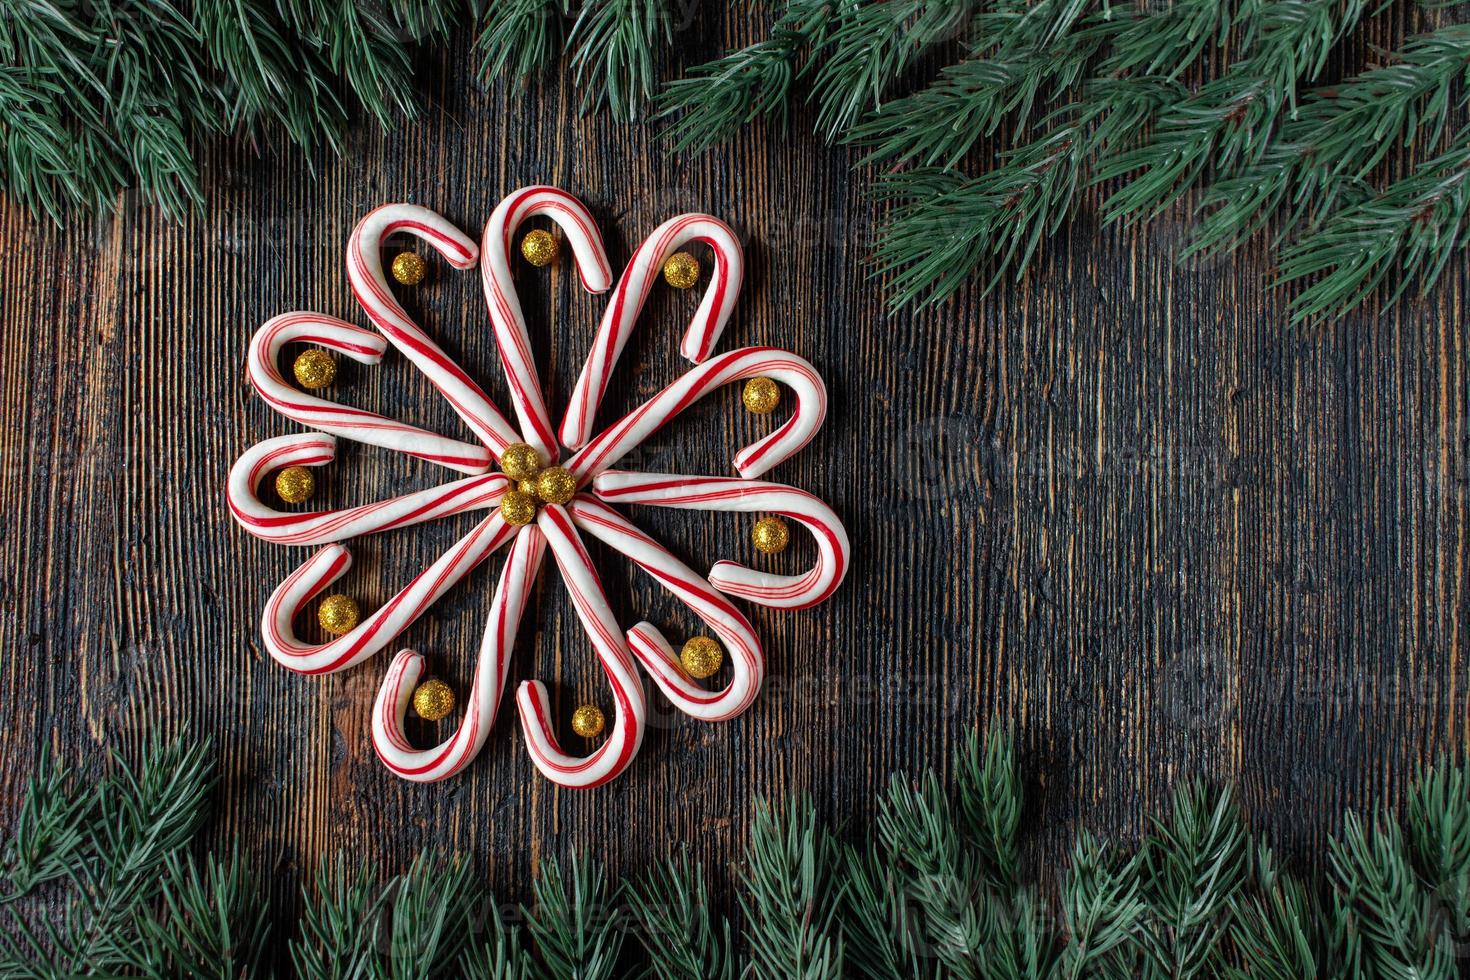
<point x="1121" y="506"/>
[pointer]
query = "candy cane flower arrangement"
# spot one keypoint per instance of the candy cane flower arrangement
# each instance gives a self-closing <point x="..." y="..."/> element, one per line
<point x="532" y="499"/>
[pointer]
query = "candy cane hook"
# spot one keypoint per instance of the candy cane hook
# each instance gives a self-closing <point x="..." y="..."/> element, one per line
<point x="632" y="293"/>
<point x="504" y="303"/>
<point x="325" y="526"/>
<point x="629" y="708"/>
<point x="447" y="758"/>
<point x="378" y="630"/>
<point x="755" y="459"/>
<point x="365" y="272"/>
<point x="747" y="662"/>
<point x="746" y="496"/>
<point x="371" y="428"/>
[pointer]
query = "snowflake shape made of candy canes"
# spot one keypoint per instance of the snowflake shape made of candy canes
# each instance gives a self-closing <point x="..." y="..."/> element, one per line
<point x="559" y="526"/>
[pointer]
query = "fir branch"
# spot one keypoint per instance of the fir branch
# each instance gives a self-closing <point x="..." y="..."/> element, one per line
<point x="1439" y="842"/>
<point x="880" y="927"/>
<point x="340" y="929"/>
<point x="500" y="956"/>
<point x="872" y="43"/>
<point x="1101" y="909"/>
<point x="1337" y="136"/>
<point x="613" y="45"/>
<point x="714" y="100"/>
<point x="521" y="35"/>
<point x="49" y="838"/>
<point x="1229" y="122"/>
<point x="1193" y="870"/>
<point x="213" y="924"/>
<point x="683" y="938"/>
<point x="434" y="909"/>
<point x="1404" y="235"/>
<point x="358" y="42"/>
<point x="988" y="785"/>
<point x="791" y="898"/>
<point x="1282" y="932"/>
<point x="578" y="933"/>
<point x="1391" y="912"/>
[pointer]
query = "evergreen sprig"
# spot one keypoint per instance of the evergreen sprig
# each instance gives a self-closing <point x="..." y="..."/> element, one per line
<point x="613" y="48"/>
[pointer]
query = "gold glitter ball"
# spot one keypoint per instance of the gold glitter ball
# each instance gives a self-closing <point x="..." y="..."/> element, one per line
<point x="527" y="487"/>
<point x="556" y="485"/>
<point x="540" y="248"/>
<point x="587" y="721"/>
<point x="518" y="508"/>
<point x="295" y="484"/>
<point x="761" y="396"/>
<point x="409" y="268"/>
<point x="338" y="614"/>
<point x="520" y="461"/>
<point x="770" y="535"/>
<point x="681" y="270"/>
<point x="314" y="368"/>
<point x="433" y="699"/>
<point x="701" y="657"/>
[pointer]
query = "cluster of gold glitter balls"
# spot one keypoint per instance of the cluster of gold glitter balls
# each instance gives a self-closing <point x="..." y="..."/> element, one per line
<point x="535" y="484"/>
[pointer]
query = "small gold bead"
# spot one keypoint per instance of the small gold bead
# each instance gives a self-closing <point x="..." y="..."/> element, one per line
<point x="587" y="721"/>
<point x="338" y="614"/>
<point x="314" y="368"/>
<point x="520" y="461"/>
<point x="409" y="268"/>
<point x="556" y="485"/>
<point x="540" y="248"/>
<point x="527" y="487"/>
<point x="761" y="396"/>
<point x="295" y="484"/>
<point x="433" y="699"/>
<point x="518" y="508"/>
<point x="701" y="657"/>
<point x="681" y="270"/>
<point x="770" y="535"/>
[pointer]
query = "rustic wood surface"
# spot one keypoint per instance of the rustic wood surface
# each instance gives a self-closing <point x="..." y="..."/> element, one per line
<point x="1121" y="506"/>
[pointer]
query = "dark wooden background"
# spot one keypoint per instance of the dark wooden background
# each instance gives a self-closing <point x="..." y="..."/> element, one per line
<point x="1122" y="506"/>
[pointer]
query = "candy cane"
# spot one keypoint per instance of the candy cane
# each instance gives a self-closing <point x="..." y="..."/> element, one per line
<point x="506" y="609"/>
<point x="375" y="632"/>
<point x="365" y="272"/>
<point x="746" y="496"/>
<point x="748" y="665"/>
<point x="325" y="526"/>
<point x="343" y="420"/>
<point x="505" y="304"/>
<point x="633" y="291"/>
<point x="749" y="362"/>
<point x="614" y="754"/>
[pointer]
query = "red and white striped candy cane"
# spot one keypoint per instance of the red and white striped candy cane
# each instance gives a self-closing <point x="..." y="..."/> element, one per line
<point x="748" y="362"/>
<point x="365" y="347"/>
<point x="633" y="291"/>
<point x="365" y="272"/>
<point x="746" y="496"/>
<point x="325" y="526"/>
<point x="629" y="708"/>
<point x="447" y="758"/>
<point x="505" y="305"/>
<point x="378" y="630"/>
<point x="747" y="662"/>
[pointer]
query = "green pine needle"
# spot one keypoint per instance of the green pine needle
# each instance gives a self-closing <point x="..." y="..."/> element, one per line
<point x="575" y="924"/>
<point x="521" y="36"/>
<point x="684" y="938"/>
<point x="340" y="930"/>
<point x="212" y="924"/>
<point x="613" y="45"/>
<point x="791" y="896"/>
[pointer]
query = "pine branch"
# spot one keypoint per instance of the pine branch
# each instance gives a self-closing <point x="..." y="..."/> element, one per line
<point x="1281" y="931"/>
<point x="872" y="43"/>
<point x="578" y="933"/>
<point x="1405" y="234"/>
<point x="1030" y="48"/>
<point x="1391" y="911"/>
<point x="1337" y="136"/>
<point x="49" y="839"/>
<point x="500" y="956"/>
<point x="1101" y="909"/>
<point x="522" y="35"/>
<point x="1193" y="870"/>
<point x="989" y="792"/>
<point x="790" y="901"/>
<point x="340" y="928"/>
<point x="1229" y="122"/>
<point x="613" y="46"/>
<point x="434" y="910"/>
<point x="212" y="924"/>
<point x="880" y="927"/>
<point x="1439" y="842"/>
<point x="683" y="938"/>
<point x="714" y="100"/>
